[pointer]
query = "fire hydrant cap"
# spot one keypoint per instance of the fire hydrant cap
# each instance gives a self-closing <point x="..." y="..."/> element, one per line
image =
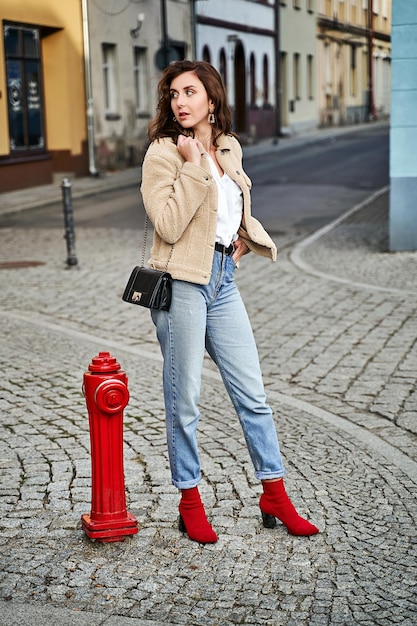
<point x="104" y="362"/>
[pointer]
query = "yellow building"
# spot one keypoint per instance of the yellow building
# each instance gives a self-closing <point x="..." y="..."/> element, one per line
<point x="354" y="54"/>
<point x="43" y="130"/>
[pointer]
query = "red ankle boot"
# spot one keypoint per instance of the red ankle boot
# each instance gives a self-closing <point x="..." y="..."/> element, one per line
<point x="274" y="503"/>
<point x="193" y="518"/>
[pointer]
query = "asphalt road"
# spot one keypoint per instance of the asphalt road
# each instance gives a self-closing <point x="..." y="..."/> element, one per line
<point x="305" y="187"/>
<point x="295" y="191"/>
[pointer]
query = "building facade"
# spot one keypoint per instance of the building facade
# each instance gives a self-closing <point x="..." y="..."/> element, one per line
<point x="78" y="79"/>
<point x="403" y="132"/>
<point x="298" y="65"/>
<point x="42" y="96"/>
<point x="130" y="43"/>
<point x="240" y="39"/>
<point x="353" y="55"/>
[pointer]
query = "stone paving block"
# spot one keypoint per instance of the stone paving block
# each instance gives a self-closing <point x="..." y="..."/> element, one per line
<point x="339" y="348"/>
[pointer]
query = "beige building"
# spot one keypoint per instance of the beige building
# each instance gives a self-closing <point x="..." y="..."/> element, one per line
<point x="353" y="60"/>
<point x="297" y="68"/>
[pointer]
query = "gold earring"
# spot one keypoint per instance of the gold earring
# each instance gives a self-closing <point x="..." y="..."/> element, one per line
<point x="211" y="118"/>
<point x="174" y="119"/>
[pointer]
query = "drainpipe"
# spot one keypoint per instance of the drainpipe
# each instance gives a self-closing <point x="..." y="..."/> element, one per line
<point x="278" y="86"/>
<point x="193" y="31"/>
<point x="164" y="32"/>
<point x="372" y="111"/>
<point x="89" y="93"/>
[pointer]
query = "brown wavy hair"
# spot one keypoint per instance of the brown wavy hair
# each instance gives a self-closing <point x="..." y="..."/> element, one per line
<point x="163" y="124"/>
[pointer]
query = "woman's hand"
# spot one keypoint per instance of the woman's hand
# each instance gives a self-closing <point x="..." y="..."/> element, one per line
<point x="240" y="249"/>
<point x="189" y="149"/>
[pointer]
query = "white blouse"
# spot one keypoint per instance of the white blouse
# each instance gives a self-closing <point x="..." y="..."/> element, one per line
<point x="230" y="206"/>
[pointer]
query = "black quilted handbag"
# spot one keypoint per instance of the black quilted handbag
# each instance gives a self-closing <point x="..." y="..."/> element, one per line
<point x="148" y="287"/>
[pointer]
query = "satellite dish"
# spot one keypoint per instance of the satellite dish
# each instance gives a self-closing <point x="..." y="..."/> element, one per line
<point x="165" y="56"/>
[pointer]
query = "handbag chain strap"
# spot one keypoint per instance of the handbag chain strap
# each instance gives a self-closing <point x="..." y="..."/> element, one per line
<point x="145" y="236"/>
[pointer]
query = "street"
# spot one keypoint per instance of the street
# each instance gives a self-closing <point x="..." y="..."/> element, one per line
<point x="295" y="191"/>
<point x="335" y="324"/>
<point x="310" y="185"/>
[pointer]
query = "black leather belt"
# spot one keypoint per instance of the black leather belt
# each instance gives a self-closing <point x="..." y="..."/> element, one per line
<point x="223" y="249"/>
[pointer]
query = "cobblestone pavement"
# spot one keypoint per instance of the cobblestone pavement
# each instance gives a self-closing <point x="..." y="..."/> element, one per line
<point x="335" y="322"/>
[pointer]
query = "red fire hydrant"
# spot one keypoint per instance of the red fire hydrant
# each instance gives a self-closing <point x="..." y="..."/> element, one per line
<point x="106" y="394"/>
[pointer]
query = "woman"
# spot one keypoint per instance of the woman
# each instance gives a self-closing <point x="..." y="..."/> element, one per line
<point x="198" y="198"/>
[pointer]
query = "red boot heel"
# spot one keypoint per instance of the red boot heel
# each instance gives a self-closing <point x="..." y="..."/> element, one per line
<point x="181" y="525"/>
<point x="268" y="521"/>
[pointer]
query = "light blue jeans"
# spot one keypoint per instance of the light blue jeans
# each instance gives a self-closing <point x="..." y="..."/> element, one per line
<point x="212" y="317"/>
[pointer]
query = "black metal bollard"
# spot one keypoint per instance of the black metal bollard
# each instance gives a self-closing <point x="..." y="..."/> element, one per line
<point x="69" y="222"/>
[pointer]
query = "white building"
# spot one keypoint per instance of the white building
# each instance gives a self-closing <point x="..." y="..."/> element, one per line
<point x="239" y="38"/>
<point x="243" y="40"/>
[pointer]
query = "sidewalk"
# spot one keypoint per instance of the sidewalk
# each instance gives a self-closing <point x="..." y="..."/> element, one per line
<point x="335" y="322"/>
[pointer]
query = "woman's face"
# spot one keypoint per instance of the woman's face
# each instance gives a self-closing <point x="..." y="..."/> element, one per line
<point x="190" y="102"/>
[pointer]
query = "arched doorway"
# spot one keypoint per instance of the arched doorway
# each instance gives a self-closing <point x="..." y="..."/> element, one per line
<point x="223" y="67"/>
<point x="240" y="88"/>
<point x="206" y="54"/>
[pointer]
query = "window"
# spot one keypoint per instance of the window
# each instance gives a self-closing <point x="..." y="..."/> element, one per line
<point x="252" y="80"/>
<point x="141" y="80"/>
<point x="363" y="18"/>
<point x="296" y="68"/>
<point x="206" y="54"/>
<point x="353" y="13"/>
<point x="266" y="79"/>
<point x="109" y="80"/>
<point x="223" y="66"/>
<point x="365" y="77"/>
<point x="24" y="88"/>
<point x="353" y="73"/>
<point x="328" y="69"/>
<point x="310" y="81"/>
<point x="310" y="6"/>
<point x="296" y="4"/>
<point x="329" y="8"/>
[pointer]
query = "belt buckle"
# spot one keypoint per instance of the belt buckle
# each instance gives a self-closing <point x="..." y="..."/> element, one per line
<point x="227" y="250"/>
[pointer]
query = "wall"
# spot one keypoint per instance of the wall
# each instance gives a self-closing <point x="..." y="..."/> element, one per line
<point x="403" y="135"/>
<point x="344" y="77"/>
<point x="242" y="30"/>
<point x="121" y="128"/>
<point x="298" y="37"/>
<point x="65" y="149"/>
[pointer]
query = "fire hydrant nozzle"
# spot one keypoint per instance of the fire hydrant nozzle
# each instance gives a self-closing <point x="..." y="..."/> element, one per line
<point x="111" y="396"/>
<point x="106" y="393"/>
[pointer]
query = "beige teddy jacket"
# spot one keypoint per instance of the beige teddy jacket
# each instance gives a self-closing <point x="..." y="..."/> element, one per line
<point x="181" y="201"/>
